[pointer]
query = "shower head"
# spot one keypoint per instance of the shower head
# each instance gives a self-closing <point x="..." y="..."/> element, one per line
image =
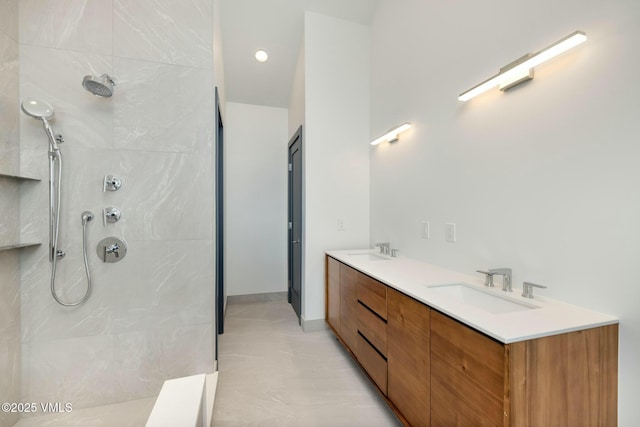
<point x="99" y="86"/>
<point x="37" y="109"/>
<point x="42" y="110"/>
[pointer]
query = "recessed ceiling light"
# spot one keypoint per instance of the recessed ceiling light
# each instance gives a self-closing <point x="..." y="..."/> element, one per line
<point x="261" y="56"/>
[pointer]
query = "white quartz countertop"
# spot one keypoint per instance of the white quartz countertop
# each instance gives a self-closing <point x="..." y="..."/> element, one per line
<point x="542" y="316"/>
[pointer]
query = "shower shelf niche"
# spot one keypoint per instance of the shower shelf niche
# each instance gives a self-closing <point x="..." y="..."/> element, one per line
<point x="19" y="178"/>
<point x="18" y="246"/>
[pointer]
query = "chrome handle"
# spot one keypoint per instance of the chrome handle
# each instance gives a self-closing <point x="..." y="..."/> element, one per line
<point x="111" y="215"/>
<point x="527" y="289"/>
<point x="488" y="278"/>
<point x="112" y="249"/>
<point x="111" y="183"/>
<point x="296" y="242"/>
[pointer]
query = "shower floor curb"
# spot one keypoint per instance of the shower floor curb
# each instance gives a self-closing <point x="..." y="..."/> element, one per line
<point x="186" y="401"/>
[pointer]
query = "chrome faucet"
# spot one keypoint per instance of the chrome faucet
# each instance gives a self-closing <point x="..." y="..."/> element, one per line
<point x="506" y="281"/>
<point x="385" y="247"/>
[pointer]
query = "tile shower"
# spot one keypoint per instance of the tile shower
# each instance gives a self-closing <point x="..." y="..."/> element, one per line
<point x="150" y="316"/>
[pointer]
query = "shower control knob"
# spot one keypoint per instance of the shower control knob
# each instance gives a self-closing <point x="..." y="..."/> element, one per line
<point x="111" y="183"/>
<point x="111" y="215"/>
<point x="112" y="249"/>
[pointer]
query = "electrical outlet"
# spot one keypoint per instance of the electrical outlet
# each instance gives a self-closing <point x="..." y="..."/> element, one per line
<point x="340" y="224"/>
<point x="425" y="230"/>
<point x="450" y="232"/>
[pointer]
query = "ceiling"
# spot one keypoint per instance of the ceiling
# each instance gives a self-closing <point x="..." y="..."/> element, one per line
<point x="276" y="26"/>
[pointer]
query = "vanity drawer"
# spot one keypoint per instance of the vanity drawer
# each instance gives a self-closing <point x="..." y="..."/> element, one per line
<point x="373" y="363"/>
<point x="373" y="294"/>
<point x="373" y="328"/>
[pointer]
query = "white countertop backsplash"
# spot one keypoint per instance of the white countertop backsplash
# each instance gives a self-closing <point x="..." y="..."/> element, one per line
<point x="413" y="278"/>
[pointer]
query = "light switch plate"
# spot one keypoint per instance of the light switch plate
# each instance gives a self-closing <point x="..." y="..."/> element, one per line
<point x="425" y="230"/>
<point x="450" y="232"/>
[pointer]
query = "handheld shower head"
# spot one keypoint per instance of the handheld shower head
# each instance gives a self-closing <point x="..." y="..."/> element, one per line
<point x="99" y="86"/>
<point x="42" y="110"/>
<point x="37" y="109"/>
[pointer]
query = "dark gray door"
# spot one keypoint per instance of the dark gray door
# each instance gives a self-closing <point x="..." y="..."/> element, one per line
<point x="295" y="222"/>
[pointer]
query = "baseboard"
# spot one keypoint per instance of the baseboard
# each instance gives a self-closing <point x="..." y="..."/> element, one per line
<point x="313" y="325"/>
<point x="249" y="298"/>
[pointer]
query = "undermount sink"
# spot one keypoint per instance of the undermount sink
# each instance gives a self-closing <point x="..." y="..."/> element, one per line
<point x="484" y="300"/>
<point x="368" y="256"/>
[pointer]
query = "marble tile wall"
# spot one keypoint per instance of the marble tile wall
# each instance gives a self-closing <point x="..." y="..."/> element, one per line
<point x="9" y="129"/>
<point x="10" y="349"/>
<point x="150" y="316"/>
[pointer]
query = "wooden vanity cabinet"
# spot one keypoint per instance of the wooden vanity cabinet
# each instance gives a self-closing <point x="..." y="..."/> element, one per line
<point x="408" y="357"/>
<point x="435" y="371"/>
<point x="568" y="379"/>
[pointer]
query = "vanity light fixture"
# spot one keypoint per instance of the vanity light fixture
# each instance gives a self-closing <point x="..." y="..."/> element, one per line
<point x="261" y="56"/>
<point x="392" y="135"/>
<point x="521" y="69"/>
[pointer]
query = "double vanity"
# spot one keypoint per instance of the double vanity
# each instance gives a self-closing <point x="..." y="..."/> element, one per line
<point x="446" y="350"/>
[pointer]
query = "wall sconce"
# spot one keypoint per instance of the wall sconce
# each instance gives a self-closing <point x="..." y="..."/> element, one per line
<point x="521" y="69"/>
<point x="392" y="135"/>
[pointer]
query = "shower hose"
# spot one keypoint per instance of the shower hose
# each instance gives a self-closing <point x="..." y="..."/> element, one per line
<point x="55" y="177"/>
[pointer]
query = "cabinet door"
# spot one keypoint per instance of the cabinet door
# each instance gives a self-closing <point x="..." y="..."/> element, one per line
<point x="566" y="380"/>
<point x="467" y="375"/>
<point x="408" y="357"/>
<point x="333" y="294"/>
<point x="349" y="307"/>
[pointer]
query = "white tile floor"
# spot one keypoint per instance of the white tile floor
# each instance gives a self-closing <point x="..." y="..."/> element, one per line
<point x="273" y="374"/>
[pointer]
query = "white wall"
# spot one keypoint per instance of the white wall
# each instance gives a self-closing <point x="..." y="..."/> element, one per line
<point x="544" y="178"/>
<point x="296" y="103"/>
<point x="256" y="199"/>
<point x="337" y="61"/>
<point x="218" y="57"/>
